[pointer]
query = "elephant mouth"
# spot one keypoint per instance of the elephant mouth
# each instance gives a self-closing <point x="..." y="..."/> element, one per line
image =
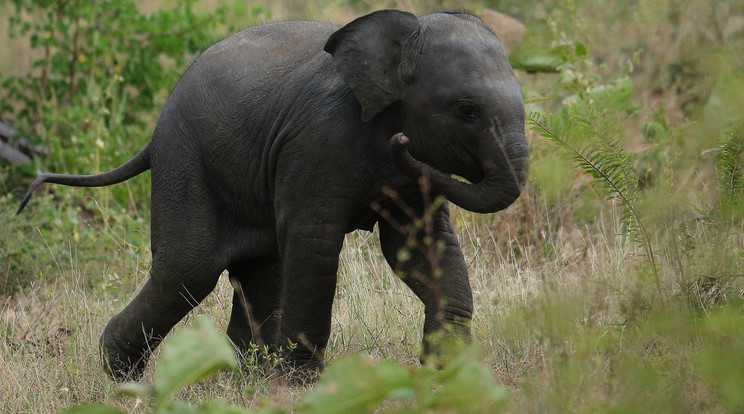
<point x="469" y="178"/>
<point x="490" y="190"/>
<point x="475" y="175"/>
<point x="469" y="170"/>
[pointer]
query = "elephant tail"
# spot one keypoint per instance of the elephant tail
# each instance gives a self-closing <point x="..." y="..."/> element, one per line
<point x="135" y="166"/>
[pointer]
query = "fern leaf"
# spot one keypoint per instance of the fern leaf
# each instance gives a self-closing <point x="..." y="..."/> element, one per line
<point x="603" y="158"/>
<point x="730" y="165"/>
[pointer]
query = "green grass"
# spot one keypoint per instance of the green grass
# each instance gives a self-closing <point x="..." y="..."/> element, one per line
<point x="570" y="315"/>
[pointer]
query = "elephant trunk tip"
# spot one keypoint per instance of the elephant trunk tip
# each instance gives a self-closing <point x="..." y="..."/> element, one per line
<point x="399" y="140"/>
<point x="398" y="147"/>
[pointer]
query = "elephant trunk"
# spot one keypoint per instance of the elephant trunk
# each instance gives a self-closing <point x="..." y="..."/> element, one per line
<point x="504" y="175"/>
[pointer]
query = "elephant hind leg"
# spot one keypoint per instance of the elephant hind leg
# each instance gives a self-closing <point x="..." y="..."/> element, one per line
<point x="130" y="337"/>
<point x="187" y="259"/>
<point x="256" y="302"/>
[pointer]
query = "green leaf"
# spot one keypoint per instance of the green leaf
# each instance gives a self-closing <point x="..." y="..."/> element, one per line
<point x="92" y="409"/>
<point x="177" y="407"/>
<point x="579" y="49"/>
<point x="212" y="407"/>
<point x="468" y="386"/>
<point x="533" y="62"/>
<point x="136" y="389"/>
<point x="355" y="385"/>
<point x="191" y="355"/>
<point x="218" y="407"/>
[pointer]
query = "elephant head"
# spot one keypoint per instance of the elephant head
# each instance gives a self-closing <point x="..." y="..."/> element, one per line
<point x="463" y="107"/>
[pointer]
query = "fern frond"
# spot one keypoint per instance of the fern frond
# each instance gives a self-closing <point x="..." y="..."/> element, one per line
<point x="730" y="165"/>
<point x="605" y="162"/>
<point x="604" y="159"/>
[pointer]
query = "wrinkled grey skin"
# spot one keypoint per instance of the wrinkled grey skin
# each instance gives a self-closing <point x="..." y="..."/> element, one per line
<point x="277" y="142"/>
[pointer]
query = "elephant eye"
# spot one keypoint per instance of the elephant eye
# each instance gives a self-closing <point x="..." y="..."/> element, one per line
<point x="467" y="111"/>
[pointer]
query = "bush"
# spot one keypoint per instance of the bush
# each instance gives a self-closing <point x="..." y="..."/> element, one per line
<point x="101" y="72"/>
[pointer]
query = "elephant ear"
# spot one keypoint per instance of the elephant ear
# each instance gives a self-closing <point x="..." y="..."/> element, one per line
<point x="367" y="53"/>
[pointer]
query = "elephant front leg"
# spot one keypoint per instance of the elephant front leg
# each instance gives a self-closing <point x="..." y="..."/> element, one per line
<point x="310" y="248"/>
<point x="429" y="260"/>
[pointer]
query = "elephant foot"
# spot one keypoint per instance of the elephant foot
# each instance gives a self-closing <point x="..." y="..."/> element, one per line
<point x="296" y="374"/>
<point x="300" y="367"/>
<point x="120" y="360"/>
<point x="442" y="345"/>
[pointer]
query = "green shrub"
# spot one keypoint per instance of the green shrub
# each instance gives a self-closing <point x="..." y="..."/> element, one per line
<point x="100" y="73"/>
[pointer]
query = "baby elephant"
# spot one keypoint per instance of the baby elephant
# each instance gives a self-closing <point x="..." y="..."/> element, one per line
<point x="282" y="138"/>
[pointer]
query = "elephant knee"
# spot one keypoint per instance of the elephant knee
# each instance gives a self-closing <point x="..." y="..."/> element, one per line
<point x="458" y="313"/>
